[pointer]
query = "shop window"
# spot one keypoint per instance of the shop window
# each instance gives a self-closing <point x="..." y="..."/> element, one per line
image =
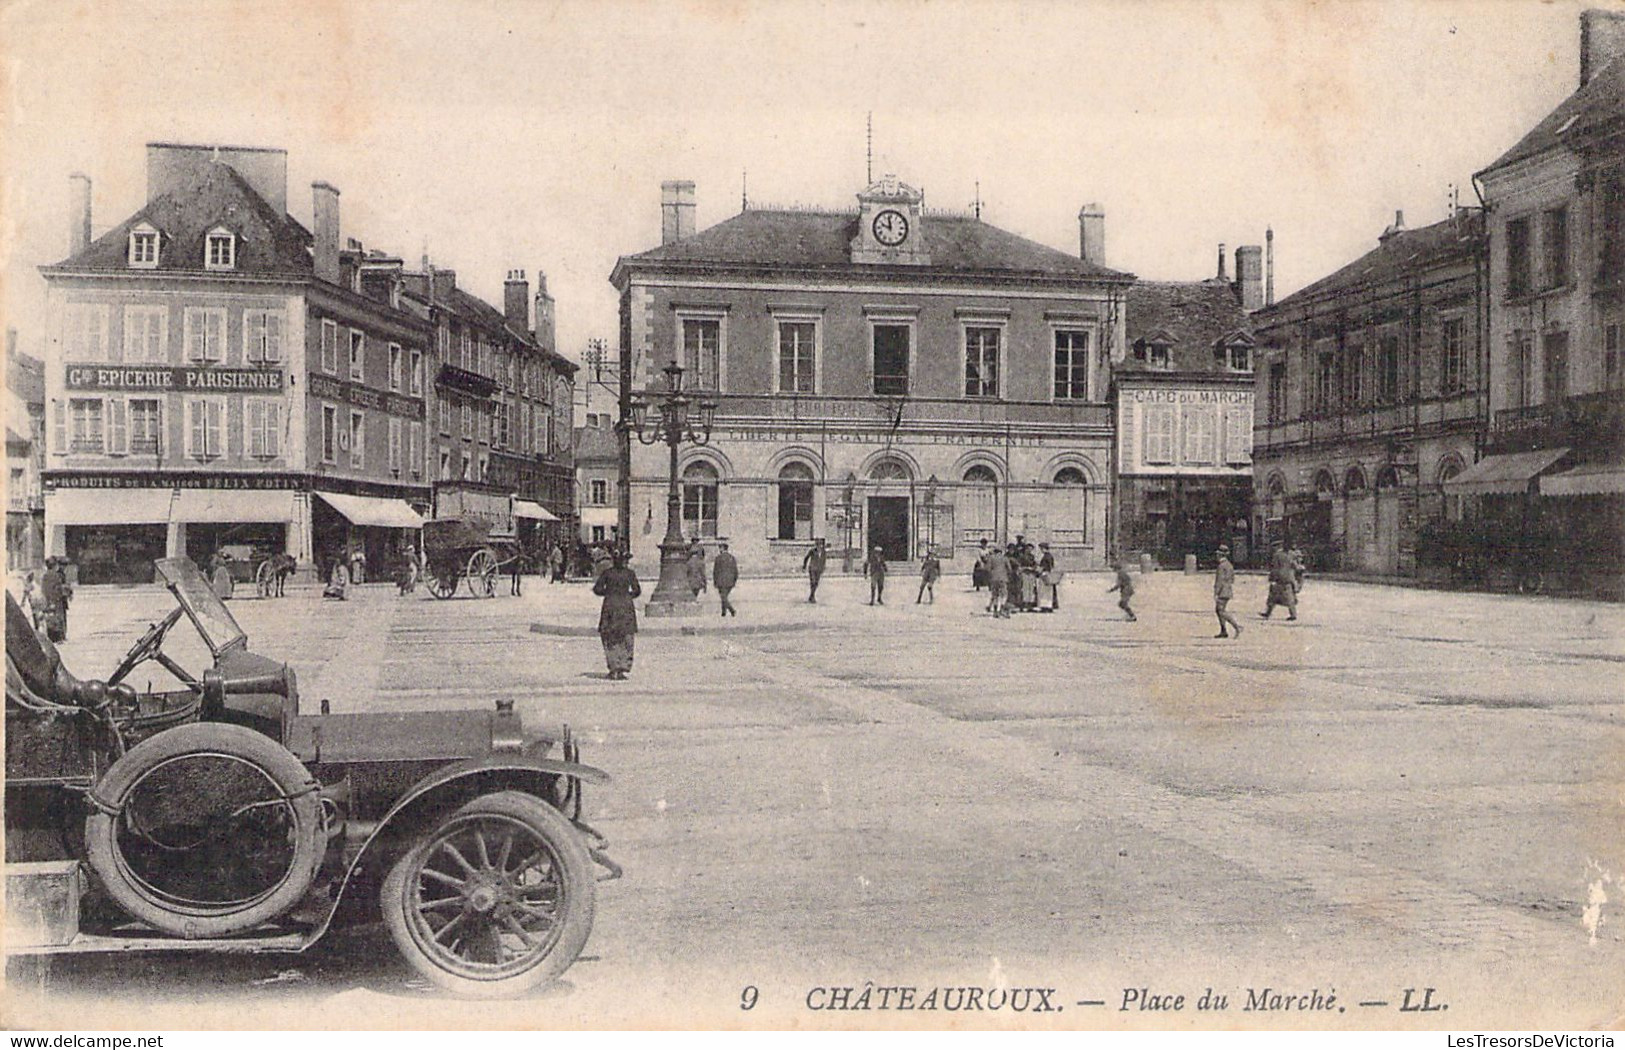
<point x="699" y="492"/>
<point x="795" y="502"/>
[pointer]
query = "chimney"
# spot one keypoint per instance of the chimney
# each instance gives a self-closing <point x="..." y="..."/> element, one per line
<point x="1602" y="39"/>
<point x="676" y="211"/>
<point x="325" y="220"/>
<point x="1269" y="266"/>
<point x="1250" y="276"/>
<point x="516" y="301"/>
<point x="1092" y="234"/>
<point x="1223" y="274"/>
<point x="78" y="213"/>
<point x="544" y="314"/>
<point x="1397" y="227"/>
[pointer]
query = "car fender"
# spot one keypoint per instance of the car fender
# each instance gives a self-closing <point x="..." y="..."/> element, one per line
<point x="452" y="785"/>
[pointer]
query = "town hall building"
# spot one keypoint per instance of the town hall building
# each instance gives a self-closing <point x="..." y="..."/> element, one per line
<point x="886" y="376"/>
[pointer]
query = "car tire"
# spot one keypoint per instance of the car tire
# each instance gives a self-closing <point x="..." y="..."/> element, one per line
<point x="459" y="873"/>
<point x="299" y="840"/>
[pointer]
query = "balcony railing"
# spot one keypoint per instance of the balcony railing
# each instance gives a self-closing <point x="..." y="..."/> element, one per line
<point x="1579" y="409"/>
<point x="814" y="409"/>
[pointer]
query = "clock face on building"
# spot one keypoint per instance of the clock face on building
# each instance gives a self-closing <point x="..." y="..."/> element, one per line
<point x="891" y="228"/>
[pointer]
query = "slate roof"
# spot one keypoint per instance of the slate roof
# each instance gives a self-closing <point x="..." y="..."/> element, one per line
<point x="267" y="243"/>
<point x="1600" y="100"/>
<point x="1402" y="253"/>
<point x="811" y="240"/>
<point x="1191" y="316"/>
<point x="473" y="309"/>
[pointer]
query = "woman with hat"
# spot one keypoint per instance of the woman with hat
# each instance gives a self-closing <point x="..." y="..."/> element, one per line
<point x="618" y="619"/>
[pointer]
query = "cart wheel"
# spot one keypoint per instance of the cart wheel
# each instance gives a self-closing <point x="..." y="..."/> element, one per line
<point x="264" y="577"/>
<point x="206" y="830"/>
<point x="441" y="586"/>
<point x="482" y="573"/>
<point x="495" y="900"/>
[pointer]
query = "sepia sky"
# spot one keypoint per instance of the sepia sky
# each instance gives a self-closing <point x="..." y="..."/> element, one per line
<point x="522" y="133"/>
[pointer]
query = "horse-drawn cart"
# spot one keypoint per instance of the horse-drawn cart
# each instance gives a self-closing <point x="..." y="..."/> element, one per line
<point x="459" y="549"/>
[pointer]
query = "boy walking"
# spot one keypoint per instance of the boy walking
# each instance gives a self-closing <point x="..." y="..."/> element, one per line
<point x="930" y="571"/>
<point x="1224" y="588"/>
<point x="1124" y="588"/>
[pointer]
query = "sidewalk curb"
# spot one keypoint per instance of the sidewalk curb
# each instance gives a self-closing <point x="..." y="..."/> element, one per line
<point x="573" y="631"/>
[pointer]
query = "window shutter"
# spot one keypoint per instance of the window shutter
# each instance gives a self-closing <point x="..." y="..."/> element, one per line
<point x="273" y="337"/>
<point x="253" y="337"/>
<point x="195" y="439"/>
<point x="256" y="428"/>
<point x="273" y="428"/>
<point x="59" y="430"/>
<point x="118" y="426"/>
<point x="213" y="437"/>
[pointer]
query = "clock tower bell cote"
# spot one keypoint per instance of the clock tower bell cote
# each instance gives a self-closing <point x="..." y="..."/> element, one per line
<point x="889" y="225"/>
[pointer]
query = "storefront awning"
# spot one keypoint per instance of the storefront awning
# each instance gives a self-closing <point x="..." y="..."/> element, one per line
<point x="1510" y="473"/>
<point x="373" y="510"/>
<point x="524" y="508"/>
<point x="108" y="506"/>
<point x="231" y="506"/>
<point x="1591" y="479"/>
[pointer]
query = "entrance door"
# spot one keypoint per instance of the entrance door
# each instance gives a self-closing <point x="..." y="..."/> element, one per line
<point x="888" y="526"/>
<point x="1388" y="532"/>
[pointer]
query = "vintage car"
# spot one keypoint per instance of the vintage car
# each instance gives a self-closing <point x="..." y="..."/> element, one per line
<point x="222" y="816"/>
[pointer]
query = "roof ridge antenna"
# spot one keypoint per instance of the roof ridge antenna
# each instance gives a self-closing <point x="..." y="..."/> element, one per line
<point x="869" y="149"/>
<point x="744" y="189"/>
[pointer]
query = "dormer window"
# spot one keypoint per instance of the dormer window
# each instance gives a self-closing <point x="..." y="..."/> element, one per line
<point x="1156" y="354"/>
<point x="220" y="250"/>
<point x="1240" y="357"/>
<point x="144" y="247"/>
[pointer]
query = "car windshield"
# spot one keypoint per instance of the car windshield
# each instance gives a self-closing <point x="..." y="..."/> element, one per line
<point x="207" y="612"/>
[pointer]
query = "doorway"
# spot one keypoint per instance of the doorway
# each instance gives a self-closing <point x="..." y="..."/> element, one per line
<point x="888" y="526"/>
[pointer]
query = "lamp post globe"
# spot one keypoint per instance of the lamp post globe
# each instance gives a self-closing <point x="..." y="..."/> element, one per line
<point x="674" y="418"/>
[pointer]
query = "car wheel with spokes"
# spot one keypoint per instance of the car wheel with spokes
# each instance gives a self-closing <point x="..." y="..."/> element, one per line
<point x="495" y="899"/>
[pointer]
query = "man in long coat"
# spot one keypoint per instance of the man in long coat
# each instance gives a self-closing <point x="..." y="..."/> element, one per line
<point x="725" y="574"/>
<point x="696" y="568"/>
<point x="1283" y="583"/>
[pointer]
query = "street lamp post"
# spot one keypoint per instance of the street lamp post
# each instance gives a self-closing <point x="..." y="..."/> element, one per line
<point x="677" y="418"/>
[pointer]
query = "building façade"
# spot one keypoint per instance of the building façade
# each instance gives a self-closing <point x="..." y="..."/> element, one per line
<point x="886" y="377"/>
<point x="218" y="378"/>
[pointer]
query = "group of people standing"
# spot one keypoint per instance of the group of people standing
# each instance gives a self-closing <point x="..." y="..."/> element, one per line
<point x="47" y="597"/>
<point x="1019" y="578"/>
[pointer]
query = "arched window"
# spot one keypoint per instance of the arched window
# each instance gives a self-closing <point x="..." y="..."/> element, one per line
<point x="795" y="502"/>
<point x="889" y="470"/>
<point x="1070" y="476"/>
<point x="1068" y="509"/>
<point x="1354" y="482"/>
<point x="1387" y="478"/>
<point x="700" y="500"/>
<point x="1324" y="485"/>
